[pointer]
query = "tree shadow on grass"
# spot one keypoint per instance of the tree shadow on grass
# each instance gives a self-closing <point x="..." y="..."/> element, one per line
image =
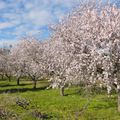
<point x="75" y="92"/>
<point x="15" y="90"/>
<point x="69" y="94"/>
<point x="8" y="85"/>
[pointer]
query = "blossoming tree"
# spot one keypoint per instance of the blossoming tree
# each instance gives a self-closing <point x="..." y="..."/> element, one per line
<point x="92" y="34"/>
<point x="29" y="59"/>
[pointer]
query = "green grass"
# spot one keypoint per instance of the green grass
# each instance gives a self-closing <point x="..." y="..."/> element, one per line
<point x="57" y="107"/>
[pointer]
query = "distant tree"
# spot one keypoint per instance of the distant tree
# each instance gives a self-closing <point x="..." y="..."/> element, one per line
<point x="18" y="66"/>
<point x="30" y="57"/>
<point x="5" y="63"/>
<point x="2" y="63"/>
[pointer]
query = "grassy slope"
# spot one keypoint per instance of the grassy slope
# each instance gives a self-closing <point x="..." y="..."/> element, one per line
<point x="58" y="107"/>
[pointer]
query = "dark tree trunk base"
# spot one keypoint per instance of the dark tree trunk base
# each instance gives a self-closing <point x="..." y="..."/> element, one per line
<point x="18" y="81"/>
<point x="34" y="84"/>
<point x="9" y="78"/>
<point x="62" y="91"/>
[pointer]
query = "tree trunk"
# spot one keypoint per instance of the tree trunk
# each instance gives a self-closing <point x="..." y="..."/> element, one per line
<point x="9" y="78"/>
<point x="34" y="84"/>
<point x="62" y="91"/>
<point x="2" y="76"/>
<point x="119" y="100"/>
<point x="18" y="81"/>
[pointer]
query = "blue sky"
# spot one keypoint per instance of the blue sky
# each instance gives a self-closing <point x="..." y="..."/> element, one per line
<point x="20" y="18"/>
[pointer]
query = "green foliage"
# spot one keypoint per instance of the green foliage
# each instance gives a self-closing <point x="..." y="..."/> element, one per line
<point x="46" y="104"/>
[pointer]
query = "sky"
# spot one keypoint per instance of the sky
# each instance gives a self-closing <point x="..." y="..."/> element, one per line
<point x="20" y="18"/>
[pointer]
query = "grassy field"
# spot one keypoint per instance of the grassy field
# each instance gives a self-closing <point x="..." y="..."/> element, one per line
<point x="24" y="103"/>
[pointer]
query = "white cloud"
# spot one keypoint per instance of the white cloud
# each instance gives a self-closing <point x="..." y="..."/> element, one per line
<point x="39" y="17"/>
<point x="67" y="3"/>
<point x="26" y="17"/>
<point x="40" y="12"/>
<point x="2" y="5"/>
<point x="33" y="32"/>
<point x="4" y="25"/>
<point x="59" y="14"/>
